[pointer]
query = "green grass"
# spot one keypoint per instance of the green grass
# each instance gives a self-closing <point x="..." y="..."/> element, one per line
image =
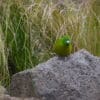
<point x="28" y="30"/>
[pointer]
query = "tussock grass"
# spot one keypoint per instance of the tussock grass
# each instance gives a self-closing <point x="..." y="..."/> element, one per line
<point x="28" y="30"/>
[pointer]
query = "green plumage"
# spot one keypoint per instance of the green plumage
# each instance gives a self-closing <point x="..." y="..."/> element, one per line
<point x="63" y="46"/>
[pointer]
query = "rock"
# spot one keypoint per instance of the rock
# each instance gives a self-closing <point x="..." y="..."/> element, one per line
<point x="7" y="97"/>
<point x="2" y="90"/>
<point x="76" y="77"/>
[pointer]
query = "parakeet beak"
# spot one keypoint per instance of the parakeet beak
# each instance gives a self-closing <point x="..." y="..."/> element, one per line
<point x="68" y="42"/>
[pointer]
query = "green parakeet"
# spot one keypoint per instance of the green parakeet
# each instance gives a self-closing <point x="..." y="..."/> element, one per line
<point x="63" y="46"/>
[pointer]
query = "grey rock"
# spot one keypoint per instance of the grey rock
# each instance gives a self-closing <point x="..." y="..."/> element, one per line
<point x="8" y="97"/>
<point x="76" y="77"/>
<point x="2" y="90"/>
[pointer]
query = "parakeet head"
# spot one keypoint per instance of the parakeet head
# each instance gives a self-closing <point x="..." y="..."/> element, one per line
<point x="66" y="40"/>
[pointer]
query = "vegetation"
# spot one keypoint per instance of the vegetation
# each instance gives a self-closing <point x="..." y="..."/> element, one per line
<point x="28" y="29"/>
